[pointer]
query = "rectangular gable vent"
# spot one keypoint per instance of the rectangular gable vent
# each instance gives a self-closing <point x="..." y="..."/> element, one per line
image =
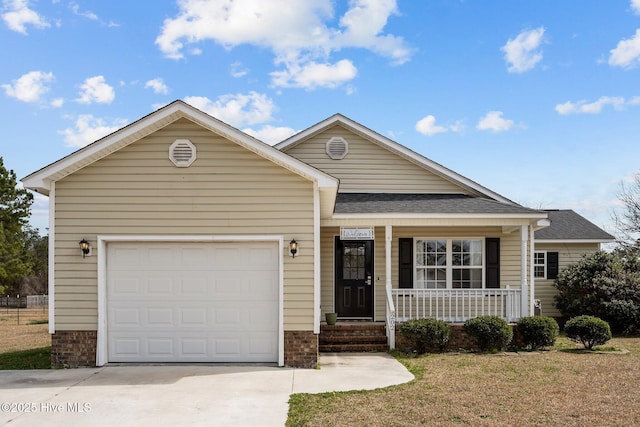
<point x="182" y="153"/>
<point x="337" y="148"/>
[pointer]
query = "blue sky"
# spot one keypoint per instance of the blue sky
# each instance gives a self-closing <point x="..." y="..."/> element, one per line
<point x="536" y="100"/>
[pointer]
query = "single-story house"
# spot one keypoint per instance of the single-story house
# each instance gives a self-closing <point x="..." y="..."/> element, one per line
<point x="179" y="238"/>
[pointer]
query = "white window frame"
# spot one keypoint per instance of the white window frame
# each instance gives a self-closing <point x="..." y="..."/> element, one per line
<point x="449" y="267"/>
<point x="537" y="264"/>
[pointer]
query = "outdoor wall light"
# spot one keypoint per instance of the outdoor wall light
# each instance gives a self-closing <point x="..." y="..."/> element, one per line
<point x="85" y="247"/>
<point x="293" y="247"/>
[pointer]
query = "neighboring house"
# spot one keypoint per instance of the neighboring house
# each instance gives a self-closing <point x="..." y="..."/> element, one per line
<point x="568" y="238"/>
<point x="203" y="244"/>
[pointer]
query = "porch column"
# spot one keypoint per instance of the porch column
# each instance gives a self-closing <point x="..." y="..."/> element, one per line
<point x="524" y="286"/>
<point x="390" y="309"/>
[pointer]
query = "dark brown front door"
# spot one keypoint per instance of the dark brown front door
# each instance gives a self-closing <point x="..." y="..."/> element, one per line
<point x="354" y="278"/>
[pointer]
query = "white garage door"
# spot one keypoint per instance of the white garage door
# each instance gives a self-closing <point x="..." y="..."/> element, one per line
<point x="192" y="302"/>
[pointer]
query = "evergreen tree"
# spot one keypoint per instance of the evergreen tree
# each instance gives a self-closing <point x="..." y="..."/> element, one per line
<point x="15" y="205"/>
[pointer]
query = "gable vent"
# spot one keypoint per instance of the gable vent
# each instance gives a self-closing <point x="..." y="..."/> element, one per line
<point x="337" y="148"/>
<point x="182" y="153"/>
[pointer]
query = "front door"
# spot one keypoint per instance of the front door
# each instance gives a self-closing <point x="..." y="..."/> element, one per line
<point x="354" y="278"/>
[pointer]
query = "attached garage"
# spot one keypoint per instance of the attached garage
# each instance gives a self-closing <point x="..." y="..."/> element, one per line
<point x="192" y="301"/>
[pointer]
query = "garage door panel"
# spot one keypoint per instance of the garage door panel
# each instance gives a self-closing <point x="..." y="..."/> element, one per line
<point x="169" y="307"/>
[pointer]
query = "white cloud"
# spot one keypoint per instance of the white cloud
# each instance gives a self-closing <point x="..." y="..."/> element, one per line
<point x="89" y="129"/>
<point x="635" y="6"/>
<point x="494" y="122"/>
<point x="157" y="85"/>
<point x="427" y="126"/>
<point x="270" y="134"/>
<point x="313" y="75"/>
<point x="522" y="53"/>
<point x="627" y="53"/>
<point x="75" y="8"/>
<point x="584" y="107"/>
<point x="95" y="89"/>
<point x="236" y="110"/>
<point x="29" y="87"/>
<point x="237" y="70"/>
<point x="297" y="32"/>
<point x="18" y="16"/>
<point x="57" y="103"/>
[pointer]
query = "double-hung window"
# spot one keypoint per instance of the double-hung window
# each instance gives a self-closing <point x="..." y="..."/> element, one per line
<point x="449" y="263"/>
<point x="545" y="265"/>
<point x="540" y="265"/>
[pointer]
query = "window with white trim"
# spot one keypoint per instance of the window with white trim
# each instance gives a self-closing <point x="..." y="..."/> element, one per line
<point x="540" y="265"/>
<point x="449" y="263"/>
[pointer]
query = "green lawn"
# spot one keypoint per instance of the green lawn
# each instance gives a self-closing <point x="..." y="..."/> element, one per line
<point x="565" y="386"/>
<point x="37" y="358"/>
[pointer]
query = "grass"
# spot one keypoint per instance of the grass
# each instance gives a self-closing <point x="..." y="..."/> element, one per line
<point x="25" y="342"/>
<point x="37" y="358"/>
<point x="563" y="386"/>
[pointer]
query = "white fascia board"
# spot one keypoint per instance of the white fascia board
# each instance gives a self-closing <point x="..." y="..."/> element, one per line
<point x="393" y="146"/>
<point x="543" y="241"/>
<point x="41" y="180"/>
<point x="527" y="216"/>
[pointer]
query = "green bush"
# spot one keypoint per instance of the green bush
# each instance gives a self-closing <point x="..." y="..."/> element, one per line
<point x="426" y="334"/>
<point x="604" y="285"/>
<point x="491" y="333"/>
<point x="538" y="331"/>
<point x="588" y="330"/>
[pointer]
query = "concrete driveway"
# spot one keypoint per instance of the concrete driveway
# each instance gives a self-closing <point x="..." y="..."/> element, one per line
<point x="183" y="394"/>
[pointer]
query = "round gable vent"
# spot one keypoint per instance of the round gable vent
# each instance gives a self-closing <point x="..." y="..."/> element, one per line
<point x="337" y="148"/>
<point x="182" y="153"/>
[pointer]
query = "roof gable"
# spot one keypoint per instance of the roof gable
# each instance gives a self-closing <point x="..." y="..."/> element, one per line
<point x="41" y="180"/>
<point x="426" y="164"/>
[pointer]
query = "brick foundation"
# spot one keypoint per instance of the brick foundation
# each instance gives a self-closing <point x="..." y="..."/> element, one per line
<point x="459" y="340"/>
<point x="300" y="349"/>
<point x="72" y="349"/>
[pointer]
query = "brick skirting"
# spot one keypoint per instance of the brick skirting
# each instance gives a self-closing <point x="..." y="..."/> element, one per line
<point x="458" y="340"/>
<point x="72" y="349"/>
<point x="300" y="349"/>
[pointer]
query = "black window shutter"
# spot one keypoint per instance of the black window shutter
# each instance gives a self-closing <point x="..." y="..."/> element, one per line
<point x="405" y="258"/>
<point x="552" y="265"/>
<point x="492" y="269"/>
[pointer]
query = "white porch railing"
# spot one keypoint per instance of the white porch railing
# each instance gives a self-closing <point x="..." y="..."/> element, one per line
<point x="454" y="305"/>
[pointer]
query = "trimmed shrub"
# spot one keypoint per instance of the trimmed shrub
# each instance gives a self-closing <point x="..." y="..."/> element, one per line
<point x="538" y="332"/>
<point x="426" y="334"/>
<point x="491" y="333"/>
<point x="588" y="330"/>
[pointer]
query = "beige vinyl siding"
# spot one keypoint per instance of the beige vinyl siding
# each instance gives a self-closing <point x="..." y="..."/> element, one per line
<point x="510" y="256"/>
<point x="228" y="190"/>
<point x="568" y="254"/>
<point x="368" y="167"/>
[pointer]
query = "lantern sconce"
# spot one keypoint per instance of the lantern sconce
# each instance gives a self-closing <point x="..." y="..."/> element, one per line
<point x="293" y="247"/>
<point x="85" y="247"/>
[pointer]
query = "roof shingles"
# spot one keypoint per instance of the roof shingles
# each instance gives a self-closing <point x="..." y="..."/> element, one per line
<point x="357" y="203"/>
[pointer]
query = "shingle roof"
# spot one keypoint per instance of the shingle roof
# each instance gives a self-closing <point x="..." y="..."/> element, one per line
<point x="568" y="225"/>
<point x="422" y="203"/>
